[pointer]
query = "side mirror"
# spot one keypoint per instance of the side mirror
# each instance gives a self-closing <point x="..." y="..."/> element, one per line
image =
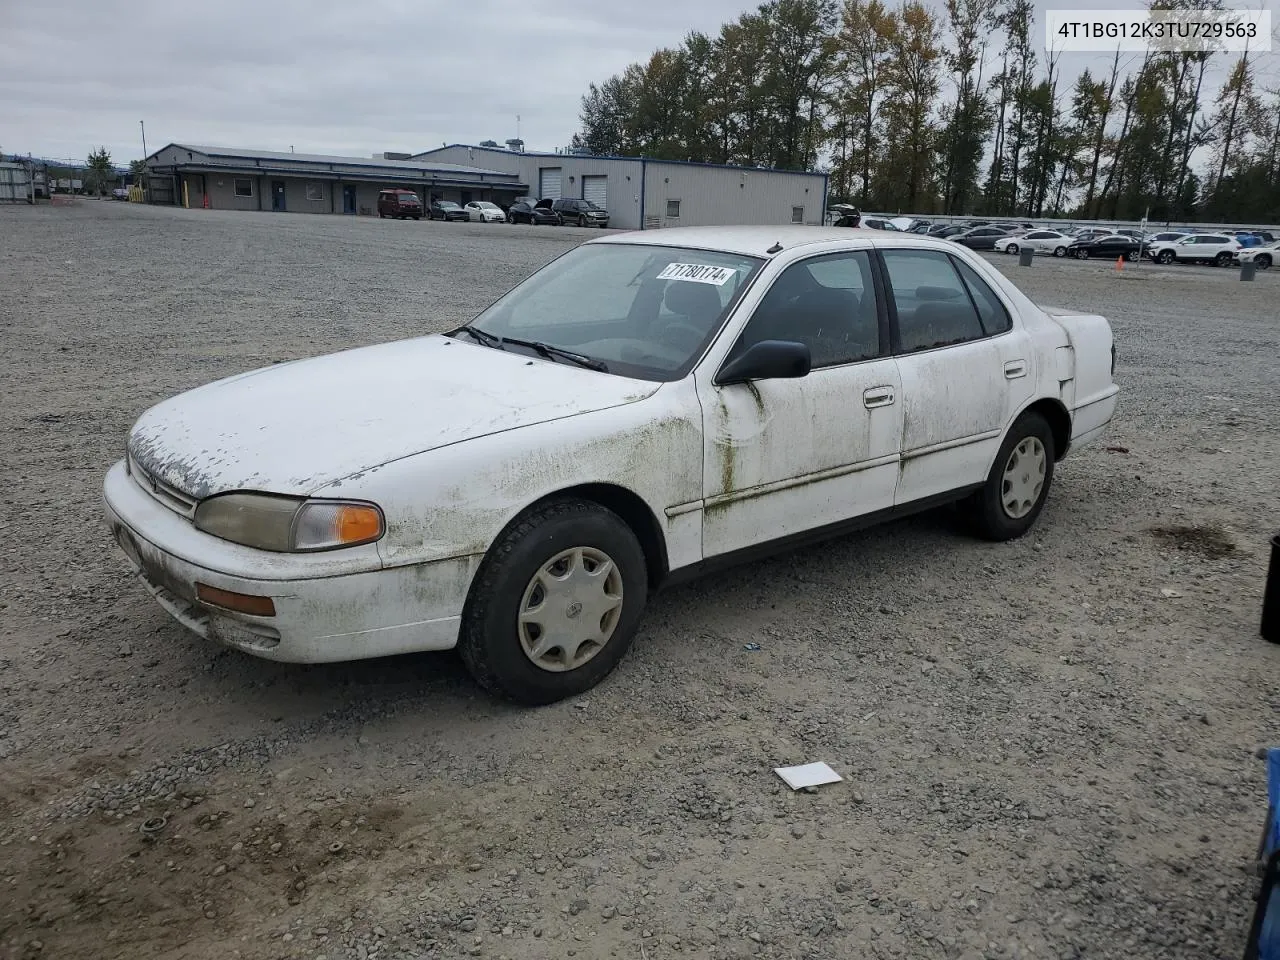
<point x="767" y="360"/>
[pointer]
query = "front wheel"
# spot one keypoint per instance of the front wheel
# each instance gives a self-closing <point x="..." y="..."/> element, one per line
<point x="1059" y="251"/>
<point x="582" y="222"/>
<point x="1263" y="261"/>
<point x="1166" y="257"/>
<point x="555" y="604"/>
<point x="1223" y="259"/>
<point x="1082" y="254"/>
<point x="1008" y="504"/>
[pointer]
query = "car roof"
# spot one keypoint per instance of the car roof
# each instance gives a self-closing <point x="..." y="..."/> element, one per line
<point x="756" y="241"/>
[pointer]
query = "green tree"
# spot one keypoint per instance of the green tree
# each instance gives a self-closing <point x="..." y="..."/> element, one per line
<point x="101" y="172"/>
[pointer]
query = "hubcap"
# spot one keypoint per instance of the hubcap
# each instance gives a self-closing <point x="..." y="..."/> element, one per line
<point x="570" y="609"/>
<point x="1024" y="478"/>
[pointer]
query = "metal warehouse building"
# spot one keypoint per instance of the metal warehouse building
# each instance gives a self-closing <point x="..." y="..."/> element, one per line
<point x="226" y="179"/>
<point x="643" y="194"/>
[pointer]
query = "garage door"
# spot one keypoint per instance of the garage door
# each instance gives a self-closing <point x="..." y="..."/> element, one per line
<point x="596" y="189"/>
<point x="549" y="183"/>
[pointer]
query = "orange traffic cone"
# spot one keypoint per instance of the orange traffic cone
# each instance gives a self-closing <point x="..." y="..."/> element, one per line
<point x="1119" y="264"/>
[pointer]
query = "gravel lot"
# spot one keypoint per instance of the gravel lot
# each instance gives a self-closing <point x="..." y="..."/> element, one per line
<point x="1048" y="745"/>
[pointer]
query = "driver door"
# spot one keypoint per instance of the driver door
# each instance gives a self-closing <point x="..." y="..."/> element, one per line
<point x="785" y="456"/>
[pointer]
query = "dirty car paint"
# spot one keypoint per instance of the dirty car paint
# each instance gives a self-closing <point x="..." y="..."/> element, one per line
<point x="294" y="429"/>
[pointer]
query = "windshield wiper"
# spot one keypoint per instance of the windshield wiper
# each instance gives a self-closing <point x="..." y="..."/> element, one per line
<point x="547" y="350"/>
<point x="488" y="339"/>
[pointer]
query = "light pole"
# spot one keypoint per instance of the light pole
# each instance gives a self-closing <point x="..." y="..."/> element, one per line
<point x="143" y="125"/>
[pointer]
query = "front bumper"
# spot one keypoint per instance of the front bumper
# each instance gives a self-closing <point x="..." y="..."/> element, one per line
<point x="332" y="606"/>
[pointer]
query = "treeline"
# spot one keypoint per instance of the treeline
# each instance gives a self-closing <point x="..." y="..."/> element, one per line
<point x="955" y="112"/>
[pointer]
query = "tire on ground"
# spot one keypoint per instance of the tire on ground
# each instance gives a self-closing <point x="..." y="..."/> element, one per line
<point x="489" y="640"/>
<point x="987" y="514"/>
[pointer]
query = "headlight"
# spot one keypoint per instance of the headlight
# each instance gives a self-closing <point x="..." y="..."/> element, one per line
<point x="289" y="524"/>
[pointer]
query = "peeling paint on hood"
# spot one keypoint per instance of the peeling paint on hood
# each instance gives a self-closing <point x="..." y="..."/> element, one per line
<point x="295" y="428"/>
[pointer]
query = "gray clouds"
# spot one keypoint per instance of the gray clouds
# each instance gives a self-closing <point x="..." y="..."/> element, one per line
<point x="349" y="78"/>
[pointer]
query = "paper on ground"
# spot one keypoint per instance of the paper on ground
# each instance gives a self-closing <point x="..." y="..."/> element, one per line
<point x="807" y="775"/>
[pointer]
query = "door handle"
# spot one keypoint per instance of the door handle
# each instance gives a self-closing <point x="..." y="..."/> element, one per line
<point x="877" y="397"/>
<point x="1015" y="369"/>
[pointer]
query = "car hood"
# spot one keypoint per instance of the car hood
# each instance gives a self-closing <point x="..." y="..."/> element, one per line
<point x="298" y="427"/>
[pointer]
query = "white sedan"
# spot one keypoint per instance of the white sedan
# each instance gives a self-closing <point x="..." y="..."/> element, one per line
<point x="484" y="211"/>
<point x="643" y="408"/>
<point x="1041" y="241"/>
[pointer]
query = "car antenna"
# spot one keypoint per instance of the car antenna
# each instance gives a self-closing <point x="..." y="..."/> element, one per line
<point x="775" y="248"/>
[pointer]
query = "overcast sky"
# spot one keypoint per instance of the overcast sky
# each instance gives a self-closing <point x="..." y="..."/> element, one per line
<point x="324" y="77"/>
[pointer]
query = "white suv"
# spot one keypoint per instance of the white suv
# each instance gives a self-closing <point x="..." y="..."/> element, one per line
<point x="1215" y="248"/>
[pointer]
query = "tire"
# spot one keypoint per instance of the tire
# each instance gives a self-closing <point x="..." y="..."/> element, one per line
<point x="493" y="640"/>
<point x="582" y="222"/>
<point x="1059" y="251"/>
<point x="1082" y="254"/>
<point x="989" y="517"/>
<point x="1132" y="256"/>
<point x="1011" y="249"/>
<point x="1166" y="257"/>
<point x="1263" y="261"/>
<point x="417" y="218"/>
<point x="1222" y="260"/>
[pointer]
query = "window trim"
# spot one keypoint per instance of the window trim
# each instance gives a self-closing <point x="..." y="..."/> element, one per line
<point x="235" y="188"/>
<point x="956" y="263"/>
<point x="677" y="213"/>
<point x="800" y="208"/>
<point x="892" y="302"/>
<point x="877" y="287"/>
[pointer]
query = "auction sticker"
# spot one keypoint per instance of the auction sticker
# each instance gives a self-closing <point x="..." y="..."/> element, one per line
<point x="697" y="273"/>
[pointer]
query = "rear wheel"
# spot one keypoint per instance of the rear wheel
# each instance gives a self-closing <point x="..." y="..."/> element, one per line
<point x="555" y="603"/>
<point x="1009" y="503"/>
<point x="1131" y="256"/>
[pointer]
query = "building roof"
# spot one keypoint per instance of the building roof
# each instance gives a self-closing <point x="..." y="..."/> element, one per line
<point x="607" y="156"/>
<point x="416" y="165"/>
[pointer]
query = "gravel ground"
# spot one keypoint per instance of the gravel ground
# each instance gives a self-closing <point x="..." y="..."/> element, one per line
<point x="1048" y="746"/>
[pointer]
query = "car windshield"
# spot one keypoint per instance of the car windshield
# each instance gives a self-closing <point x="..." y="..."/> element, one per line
<point x="486" y="205"/>
<point x="644" y="310"/>
<point x="447" y="204"/>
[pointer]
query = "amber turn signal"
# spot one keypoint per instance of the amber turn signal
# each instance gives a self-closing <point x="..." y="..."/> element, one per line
<point x="239" y="602"/>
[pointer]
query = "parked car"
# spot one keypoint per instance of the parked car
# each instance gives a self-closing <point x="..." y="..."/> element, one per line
<point x="1216" y="248"/>
<point x="1165" y="236"/>
<point x="400" y="204"/>
<point x="1041" y="241"/>
<point x="584" y="213"/>
<point x="120" y="193"/>
<point x="879" y="223"/>
<point x="526" y="212"/>
<point x="1108" y="246"/>
<point x="979" y="238"/>
<point x="446" y="210"/>
<point x="517" y="487"/>
<point x="1262" y="257"/>
<point x="484" y="211"/>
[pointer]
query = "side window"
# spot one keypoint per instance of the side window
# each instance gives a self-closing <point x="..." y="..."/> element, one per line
<point x="827" y="303"/>
<point x="934" y="309"/>
<point x="995" y="318"/>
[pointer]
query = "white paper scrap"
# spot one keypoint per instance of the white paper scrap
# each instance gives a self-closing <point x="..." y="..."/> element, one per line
<point x="807" y="775"/>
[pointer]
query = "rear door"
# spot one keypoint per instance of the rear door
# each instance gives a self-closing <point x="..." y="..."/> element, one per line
<point x="965" y="369"/>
